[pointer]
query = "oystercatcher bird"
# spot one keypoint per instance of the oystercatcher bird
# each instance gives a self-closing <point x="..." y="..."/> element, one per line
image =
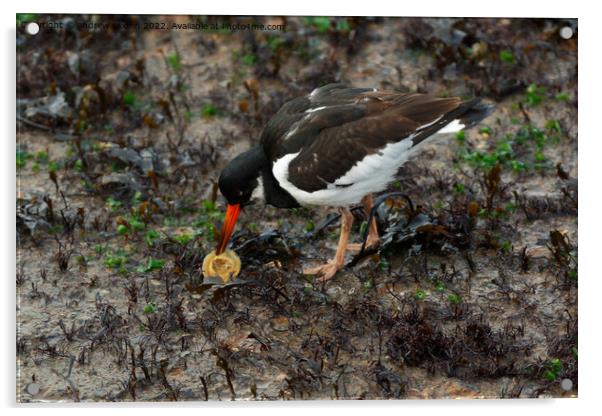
<point x="336" y="147"/>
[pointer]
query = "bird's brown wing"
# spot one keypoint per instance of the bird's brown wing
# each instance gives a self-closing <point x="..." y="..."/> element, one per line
<point x="297" y="123"/>
<point x="331" y="140"/>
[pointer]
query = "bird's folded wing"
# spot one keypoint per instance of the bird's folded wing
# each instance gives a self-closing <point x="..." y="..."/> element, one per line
<point x="385" y="118"/>
<point x="337" y="149"/>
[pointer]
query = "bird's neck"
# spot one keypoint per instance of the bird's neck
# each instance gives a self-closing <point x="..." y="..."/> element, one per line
<point x="267" y="188"/>
<point x="273" y="192"/>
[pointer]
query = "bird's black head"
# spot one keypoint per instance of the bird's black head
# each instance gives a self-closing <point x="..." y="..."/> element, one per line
<point x="242" y="176"/>
<point x="237" y="182"/>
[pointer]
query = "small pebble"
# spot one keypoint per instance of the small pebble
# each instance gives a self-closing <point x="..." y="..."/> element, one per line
<point x="280" y="323"/>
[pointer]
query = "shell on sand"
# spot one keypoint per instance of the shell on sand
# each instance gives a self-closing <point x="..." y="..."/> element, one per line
<point x="225" y="266"/>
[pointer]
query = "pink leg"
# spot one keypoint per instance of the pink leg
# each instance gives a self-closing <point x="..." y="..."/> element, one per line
<point x="326" y="271"/>
<point x="373" y="237"/>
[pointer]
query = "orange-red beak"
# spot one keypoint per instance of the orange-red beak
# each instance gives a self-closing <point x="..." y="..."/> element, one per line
<point x="229" y="222"/>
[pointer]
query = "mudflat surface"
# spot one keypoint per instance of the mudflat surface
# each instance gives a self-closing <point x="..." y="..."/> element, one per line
<point x="121" y="137"/>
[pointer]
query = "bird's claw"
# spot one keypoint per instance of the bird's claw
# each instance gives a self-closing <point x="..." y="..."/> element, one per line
<point x="325" y="271"/>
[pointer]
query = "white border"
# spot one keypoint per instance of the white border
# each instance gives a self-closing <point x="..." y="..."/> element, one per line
<point x="590" y="175"/>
